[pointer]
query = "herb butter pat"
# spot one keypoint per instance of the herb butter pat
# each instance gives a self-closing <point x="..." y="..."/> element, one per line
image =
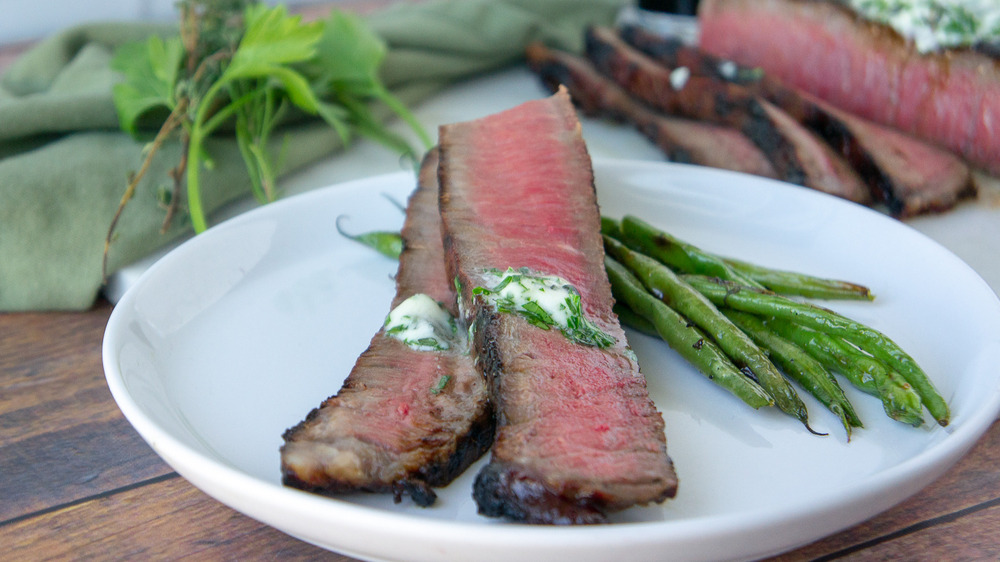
<point x="545" y="301"/>
<point x="422" y="323"/>
<point x="936" y="24"/>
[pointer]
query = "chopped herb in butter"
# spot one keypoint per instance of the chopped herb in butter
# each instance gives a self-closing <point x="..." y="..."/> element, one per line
<point x="440" y="384"/>
<point x="545" y="301"/>
<point x="936" y="24"/>
<point x="422" y="323"/>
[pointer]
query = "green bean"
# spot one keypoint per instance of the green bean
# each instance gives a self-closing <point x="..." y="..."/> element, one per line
<point x="865" y="372"/>
<point x="634" y="320"/>
<point x="687" y="258"/>
<point x="387" y="243"/>
<point x="611" y="227"/>
<point x="800" y="367"/>
<point x="644" y="238"/>
<point x="872" y="341"/>
<point x="687" y="340"/>
<point x="800" y="284"/>
<point x="665" y="285"/>
<point x="825" y="349"/>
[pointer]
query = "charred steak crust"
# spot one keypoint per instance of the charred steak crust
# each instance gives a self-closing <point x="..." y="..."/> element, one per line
<point x="951" y="97"/>
<point x="577" y="435"/>
<point x="797" y="154"/>
<point x="681" y="140"/>
<point x="910" y="176"/>
<point x="502" y="490"/>
<point x="385" y="431"/>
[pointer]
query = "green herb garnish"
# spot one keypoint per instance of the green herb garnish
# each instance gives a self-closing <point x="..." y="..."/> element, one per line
<point x="545" y="302"/>
<point x="440" y="384"/>
<point x="246" y="66"/>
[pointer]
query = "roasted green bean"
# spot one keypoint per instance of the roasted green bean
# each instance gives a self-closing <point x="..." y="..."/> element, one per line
<point x="801" y="367"/>
<point x="872" y="341"/>
<point x="684" y="337"/>
<point x="387" y="243"/>
<point x="632" y="319"/>
<point x="665" y="285"/>
<point x="800" y="284"/>
<point x="865" y="372"/>
<point x="680" y="256"/>
<point x="688" y="258"/>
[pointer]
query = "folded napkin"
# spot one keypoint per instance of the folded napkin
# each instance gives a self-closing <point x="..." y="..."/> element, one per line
<point x="64" y="162"/>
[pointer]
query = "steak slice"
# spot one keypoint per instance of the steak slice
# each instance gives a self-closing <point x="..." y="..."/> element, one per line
<point x="577" y="434"/>
<point x="387" y="430"/>
<point x="950" y="98"/>
<point x="909" y="175"/>
<point x="797" y="154"/>
<point x="681" y="140"/>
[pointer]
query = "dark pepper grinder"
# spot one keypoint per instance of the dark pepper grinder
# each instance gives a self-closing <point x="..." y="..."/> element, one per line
<point x="671" y="18"/>
<point x="680" y="7"/>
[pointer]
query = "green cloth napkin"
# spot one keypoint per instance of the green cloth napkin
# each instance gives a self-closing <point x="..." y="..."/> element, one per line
<point x="64" y="162"/>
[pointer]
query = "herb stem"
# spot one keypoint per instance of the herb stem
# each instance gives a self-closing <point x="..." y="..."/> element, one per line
<point x="194" y="193"/>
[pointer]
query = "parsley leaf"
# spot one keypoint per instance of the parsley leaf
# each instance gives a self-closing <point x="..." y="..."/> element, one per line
<point x="150" y="69"/>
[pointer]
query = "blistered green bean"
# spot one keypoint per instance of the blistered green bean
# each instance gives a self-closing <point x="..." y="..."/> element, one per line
<point x="864" y="337"/>
<point x="800" y="367"/>
<point x="686" y="339"/>
<point x="680" y="256"/>
<point x="865" y="372"/>
<point x="665" y="285"/>
<point x="800" y="284"/>
<point x="387" y="243"/>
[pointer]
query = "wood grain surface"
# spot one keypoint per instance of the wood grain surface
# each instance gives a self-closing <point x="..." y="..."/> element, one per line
<point x="77" y="482"/>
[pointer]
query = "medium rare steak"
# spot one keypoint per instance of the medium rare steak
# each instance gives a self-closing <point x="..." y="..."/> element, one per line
<point x="577" y="434"/>
<point x="912" y="177"/>
<point x="798" y="155"/>
<point x="951" y="97"/>
<point x="394" y="427"/>
<point x="681" y="140"/>
<point x="909" y="175"/>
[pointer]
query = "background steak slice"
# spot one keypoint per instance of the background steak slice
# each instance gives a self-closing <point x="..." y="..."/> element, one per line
<point x="577" y="434"/>
<point x="909" y="175"/>
<point x="385" y="431"/>
<point x="951" y="98"/>
<point x="797" y="154"/>
<point x="681" y="140"/>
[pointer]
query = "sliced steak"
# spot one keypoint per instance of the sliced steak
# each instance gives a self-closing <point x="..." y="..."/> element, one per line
<point x="820" y="46"/>
<point x="393" y="427"/>
<point x="798" y="155"/>
<point x="681" y="140"/>
<point x="672" y="53"/>
<point x="909" y="175"/>
<point x="577" y="434"/>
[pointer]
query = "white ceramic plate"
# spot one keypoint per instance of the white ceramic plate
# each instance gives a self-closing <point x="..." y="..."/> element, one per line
<point x="236" y="334"/>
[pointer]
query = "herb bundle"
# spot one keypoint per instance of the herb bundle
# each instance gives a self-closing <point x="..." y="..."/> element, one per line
<point x="244" y="67"/>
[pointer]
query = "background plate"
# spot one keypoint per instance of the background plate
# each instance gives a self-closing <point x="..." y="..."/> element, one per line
<point x="235" y="335"/>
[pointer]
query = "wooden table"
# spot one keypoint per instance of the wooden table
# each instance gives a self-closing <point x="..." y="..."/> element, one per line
<point x="76" y="481"/>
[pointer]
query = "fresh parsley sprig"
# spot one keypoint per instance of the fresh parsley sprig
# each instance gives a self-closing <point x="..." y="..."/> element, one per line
<point x="245" y="66"/>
